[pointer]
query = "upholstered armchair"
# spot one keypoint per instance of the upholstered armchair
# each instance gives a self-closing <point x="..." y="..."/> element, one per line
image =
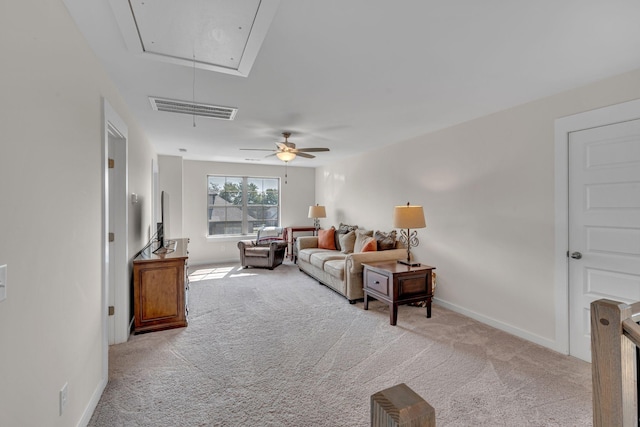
<point x="266" y="251"/>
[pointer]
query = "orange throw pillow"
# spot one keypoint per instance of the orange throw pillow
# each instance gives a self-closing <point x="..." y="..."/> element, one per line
<point x="371" y="245"/>
<point x="326" y="239"/>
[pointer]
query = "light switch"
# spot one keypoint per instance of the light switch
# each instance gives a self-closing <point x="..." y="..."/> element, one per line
<point x="3" y="282"/>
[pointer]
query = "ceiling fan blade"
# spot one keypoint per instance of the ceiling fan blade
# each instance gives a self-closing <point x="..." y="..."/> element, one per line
<point x="310" y="150"/>
<point x="257" y="149"/>
<point x="282" y="146"/>
<point x="305" y="155"/>
<point x="271" y="155"/>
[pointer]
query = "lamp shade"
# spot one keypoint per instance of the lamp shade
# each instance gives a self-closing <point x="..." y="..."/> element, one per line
<point x="286" y="156"/>
<point x="317" y="211"/>
<point x="408" y="217"/>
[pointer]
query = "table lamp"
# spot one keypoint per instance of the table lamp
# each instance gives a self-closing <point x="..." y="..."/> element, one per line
<point x="406" y="218"/>
<point x="317" y="212"/>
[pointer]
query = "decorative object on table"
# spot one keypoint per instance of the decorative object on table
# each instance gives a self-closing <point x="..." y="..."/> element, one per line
<point x="407" y="218"/>
<point x="316" y="212"/>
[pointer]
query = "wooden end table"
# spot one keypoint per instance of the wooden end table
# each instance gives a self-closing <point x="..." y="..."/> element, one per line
<point x="397" y="284"/>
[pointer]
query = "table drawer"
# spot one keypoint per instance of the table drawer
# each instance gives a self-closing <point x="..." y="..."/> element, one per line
<point x="377" y="282"/>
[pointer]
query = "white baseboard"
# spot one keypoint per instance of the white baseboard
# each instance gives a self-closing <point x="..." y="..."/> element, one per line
<point x="93" y="403"/>
<point x="545" y="342"/>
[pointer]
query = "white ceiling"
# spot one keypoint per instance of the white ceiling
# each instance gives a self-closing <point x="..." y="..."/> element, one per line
<point x="357" y="75"/>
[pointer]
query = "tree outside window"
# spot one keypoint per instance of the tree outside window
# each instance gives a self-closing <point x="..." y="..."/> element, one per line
<point x="241" y="205"/>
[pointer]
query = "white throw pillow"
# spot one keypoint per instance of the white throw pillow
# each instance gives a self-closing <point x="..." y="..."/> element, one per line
<point x="361" y="239"/>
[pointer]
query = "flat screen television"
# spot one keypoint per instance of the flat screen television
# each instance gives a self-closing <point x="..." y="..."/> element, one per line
<point x="163" y="226"/>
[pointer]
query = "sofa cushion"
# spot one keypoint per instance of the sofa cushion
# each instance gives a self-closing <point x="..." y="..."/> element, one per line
<point x="335" y="268"/>
<point x="361" y="236"/>
<point x="327" y="239"/>
<point x="319" y="258"/>
<point x="347" y="241"/>
<point x="386" y="241"/>
<point x="370" y="245"/>
<point x="305" y="254"/>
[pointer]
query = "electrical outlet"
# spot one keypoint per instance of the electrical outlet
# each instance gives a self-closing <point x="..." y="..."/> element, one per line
<point x="3" y="282"/>
<point x="64" y="396"/>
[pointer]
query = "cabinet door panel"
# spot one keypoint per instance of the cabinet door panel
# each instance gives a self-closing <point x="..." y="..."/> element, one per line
<point x="412" y="285"/>
<point x="160" y="293"/>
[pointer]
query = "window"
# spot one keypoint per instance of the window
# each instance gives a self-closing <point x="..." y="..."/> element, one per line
<point x="239" y="205"/>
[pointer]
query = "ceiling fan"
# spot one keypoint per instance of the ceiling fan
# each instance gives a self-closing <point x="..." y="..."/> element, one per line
<point x="287" y="151"/>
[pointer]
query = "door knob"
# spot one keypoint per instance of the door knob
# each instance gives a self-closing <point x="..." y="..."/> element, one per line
<point x="576" y="255"/>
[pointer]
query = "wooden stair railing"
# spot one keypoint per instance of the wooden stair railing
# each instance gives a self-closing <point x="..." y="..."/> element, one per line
<point x="615" y="336"/>
<point x="399" y="406"/>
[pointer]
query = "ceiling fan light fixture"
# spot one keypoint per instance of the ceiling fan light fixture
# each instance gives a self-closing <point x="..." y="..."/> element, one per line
<point x="286" y="156"/>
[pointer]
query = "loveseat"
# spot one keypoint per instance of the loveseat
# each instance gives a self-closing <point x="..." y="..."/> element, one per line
<point x="340" y="268"/>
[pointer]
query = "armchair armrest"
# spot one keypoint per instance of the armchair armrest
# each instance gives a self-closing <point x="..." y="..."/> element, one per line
<point x="278" y="244"/>
<point x="246" y="244"/>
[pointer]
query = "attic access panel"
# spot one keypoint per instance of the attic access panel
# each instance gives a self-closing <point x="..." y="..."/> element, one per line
<point x="223" y="35"/>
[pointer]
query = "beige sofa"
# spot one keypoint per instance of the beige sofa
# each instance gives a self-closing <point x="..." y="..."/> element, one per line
<point x="339" y="271"/>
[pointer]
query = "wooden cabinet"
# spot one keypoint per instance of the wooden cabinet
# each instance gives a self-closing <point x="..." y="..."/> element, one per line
<point x="397" y="284"/>
<point x="160" y="288"/>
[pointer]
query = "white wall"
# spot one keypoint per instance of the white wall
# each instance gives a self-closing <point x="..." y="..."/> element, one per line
<point x="296" y="197"/>
<point x="487" y="187"/>
<point x="51" y="213"/>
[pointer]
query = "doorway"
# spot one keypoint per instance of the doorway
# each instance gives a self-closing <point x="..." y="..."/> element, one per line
<point x="118" y="293"/>
<point x="115" y="224"/>
<point x="597" y="217"/>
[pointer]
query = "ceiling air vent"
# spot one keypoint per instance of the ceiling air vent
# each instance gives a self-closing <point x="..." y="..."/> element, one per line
<point x="193" y="108"/>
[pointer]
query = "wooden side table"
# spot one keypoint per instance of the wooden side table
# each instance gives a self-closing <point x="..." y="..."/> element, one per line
<point x="397" y="284"/>
<point x="291" y="239"/>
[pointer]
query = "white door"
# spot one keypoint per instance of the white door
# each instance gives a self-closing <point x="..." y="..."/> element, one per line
<point x="604" y="223"/>
<point x="111" y="248"/>
<point x="119" y="288"/>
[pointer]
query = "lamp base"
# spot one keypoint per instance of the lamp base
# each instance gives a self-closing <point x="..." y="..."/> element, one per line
<point x="409" y="263"/>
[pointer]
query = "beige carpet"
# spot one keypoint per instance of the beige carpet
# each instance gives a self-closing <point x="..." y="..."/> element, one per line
<point x="275" y="348"/>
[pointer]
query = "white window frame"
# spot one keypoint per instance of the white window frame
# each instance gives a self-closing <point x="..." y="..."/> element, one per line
<point x="244" y="228"/>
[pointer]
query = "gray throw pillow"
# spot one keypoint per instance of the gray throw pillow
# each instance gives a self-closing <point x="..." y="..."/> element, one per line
<point x="347" y="242"/>
<point x="337" y="239"/>
<point x="386" y="241"/>
<point x="343" y="229"/>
